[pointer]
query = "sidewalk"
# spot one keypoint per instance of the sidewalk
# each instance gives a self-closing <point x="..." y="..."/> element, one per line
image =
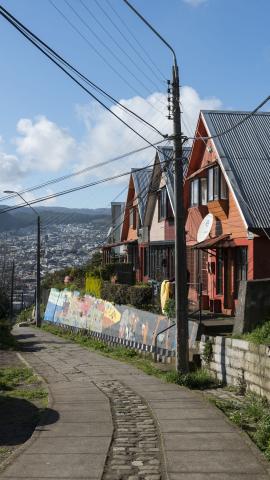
<point x="107" y="430"/>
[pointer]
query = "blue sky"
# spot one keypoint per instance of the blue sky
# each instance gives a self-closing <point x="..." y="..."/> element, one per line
<point x="50" y="127"/>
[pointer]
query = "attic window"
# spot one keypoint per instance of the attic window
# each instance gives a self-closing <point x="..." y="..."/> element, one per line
<point x="217" y="186"/>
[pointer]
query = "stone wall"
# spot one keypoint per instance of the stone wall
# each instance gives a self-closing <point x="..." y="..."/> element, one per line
<point x="239" y="363"/>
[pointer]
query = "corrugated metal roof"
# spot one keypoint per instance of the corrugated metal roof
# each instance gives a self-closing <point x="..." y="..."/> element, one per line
<point x="166" y="153"/>
<point x="141" y="179"/>
<point x="245" y="155"/>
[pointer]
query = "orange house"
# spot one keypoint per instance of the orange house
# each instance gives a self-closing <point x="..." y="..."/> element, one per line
<point x="227" y="200"/>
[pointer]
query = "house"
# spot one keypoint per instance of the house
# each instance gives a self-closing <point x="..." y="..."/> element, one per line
<point x="227" y="199"/>
<point x="157" y="242"/>
<point x="115" y="252"/>
<point x="132" y="221"/>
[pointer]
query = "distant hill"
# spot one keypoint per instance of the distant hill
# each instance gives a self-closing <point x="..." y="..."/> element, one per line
<point x="24" y="217"/>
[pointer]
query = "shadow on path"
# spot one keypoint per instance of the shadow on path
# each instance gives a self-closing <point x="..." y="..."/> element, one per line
<point x="18" y="419"/>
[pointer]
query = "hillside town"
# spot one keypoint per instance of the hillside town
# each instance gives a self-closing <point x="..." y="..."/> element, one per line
<point x="135" y="339"/>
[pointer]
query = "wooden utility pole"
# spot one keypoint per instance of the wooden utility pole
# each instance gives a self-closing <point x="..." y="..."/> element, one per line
<point x="180" y="236"/>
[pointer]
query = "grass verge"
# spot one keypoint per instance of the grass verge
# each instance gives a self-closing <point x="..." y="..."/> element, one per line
<point x="199" y="379"/>
<point x="252" y="415"/>
<point x="22" y="402"/>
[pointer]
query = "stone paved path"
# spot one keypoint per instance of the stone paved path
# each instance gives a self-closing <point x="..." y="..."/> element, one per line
<point x="117" y="423"/>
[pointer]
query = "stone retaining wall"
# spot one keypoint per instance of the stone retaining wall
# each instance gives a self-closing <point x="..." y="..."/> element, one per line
<point x="239" y="363"/>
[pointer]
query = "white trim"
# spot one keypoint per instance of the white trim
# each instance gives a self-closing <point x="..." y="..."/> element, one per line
<point x="224" y="172"/>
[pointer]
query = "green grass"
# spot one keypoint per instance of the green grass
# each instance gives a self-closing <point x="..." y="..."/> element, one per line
<point x="21" y="383"/>
<point x="261" y="335"/>
<point x="253" y="416"/>
<point x="199" y="379"/>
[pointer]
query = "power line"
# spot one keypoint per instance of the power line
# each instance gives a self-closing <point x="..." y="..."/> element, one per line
<point x="106" y="47"/>
<point x="117" y="44"/>
<point x="75" y="189"/>
<point x="136" y="40"/>
<point x="59" y="61"/>
<point x="79" y="172"/>
<point x="233" y="127"/>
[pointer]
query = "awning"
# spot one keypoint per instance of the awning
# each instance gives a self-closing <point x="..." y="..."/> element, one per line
<point x="118" y="244"/>
<point x="212" y="242"/>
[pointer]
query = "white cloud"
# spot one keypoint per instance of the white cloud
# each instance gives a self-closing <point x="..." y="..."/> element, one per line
<point x="194" y="3"/>
<point x="106" y="137"/>
<point x="43" y="145"/>
<point x="191" y="106"/>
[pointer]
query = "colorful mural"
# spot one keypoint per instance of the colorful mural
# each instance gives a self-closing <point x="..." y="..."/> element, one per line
<point x="94" y="314"/>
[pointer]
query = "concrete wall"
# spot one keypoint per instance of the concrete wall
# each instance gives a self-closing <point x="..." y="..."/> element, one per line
<point x="237" y="362"/>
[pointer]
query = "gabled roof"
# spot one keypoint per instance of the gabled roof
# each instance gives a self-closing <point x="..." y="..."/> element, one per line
<point x="163" y="166"/>
<point x="141" y="179"/>
<point x="245" y="156"/>
<point x="166" y="154"/>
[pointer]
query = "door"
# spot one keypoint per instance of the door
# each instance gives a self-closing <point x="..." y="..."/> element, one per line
<point x="228" y="294"/>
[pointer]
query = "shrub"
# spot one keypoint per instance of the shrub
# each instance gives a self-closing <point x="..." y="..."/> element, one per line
<point x="207" y="352"/>
<point x="169" y="308"/>
<point x="199" y="380"/>
<point x="93" y="285"/>
<point x="139" y="295"/>
<point x="260" y="335"/>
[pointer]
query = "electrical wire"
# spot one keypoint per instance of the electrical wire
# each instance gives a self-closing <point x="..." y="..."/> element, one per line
<point x="91" y="14"/>
<point x="75" y="189"/>
<point x="233" y="127"/>
<point x="136" y="40"/>
<point x="79" y="172"/>
<point x="60" y="61"/>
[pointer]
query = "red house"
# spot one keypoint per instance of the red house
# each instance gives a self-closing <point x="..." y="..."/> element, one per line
<point x="228" y="180"/>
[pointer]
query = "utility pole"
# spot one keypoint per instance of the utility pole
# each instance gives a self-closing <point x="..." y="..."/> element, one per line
<point x="12" y="291"/>
<point x="180" y="236"/>
<point x="38" y="289"/>
<point x="37" y="312"/>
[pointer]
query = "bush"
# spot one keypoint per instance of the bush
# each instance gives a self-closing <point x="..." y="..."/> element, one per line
<point x="260" y="335"/>
<point x="93" y="286"/>
<point x="6" y="339"/>
<point x="199" y="380"/>
<point x="137" y="295"/>
<point x="4" y="304"/>
<point x="169" y="308"/>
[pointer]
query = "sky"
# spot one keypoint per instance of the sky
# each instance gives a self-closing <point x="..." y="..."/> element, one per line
<point x="49" y="127"/>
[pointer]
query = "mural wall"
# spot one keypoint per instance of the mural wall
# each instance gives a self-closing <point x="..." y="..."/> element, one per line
<point x="68" y="308"/>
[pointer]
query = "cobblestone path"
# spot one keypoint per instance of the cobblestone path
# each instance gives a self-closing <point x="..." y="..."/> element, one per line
<point x="135" y="449"/>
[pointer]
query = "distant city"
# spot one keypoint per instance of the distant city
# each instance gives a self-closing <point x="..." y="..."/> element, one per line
<point x="62" y="245"/>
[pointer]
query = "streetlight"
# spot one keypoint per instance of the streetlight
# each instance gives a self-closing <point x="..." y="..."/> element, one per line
<point x="180" y="240"/>
<point x="37" y="312"/>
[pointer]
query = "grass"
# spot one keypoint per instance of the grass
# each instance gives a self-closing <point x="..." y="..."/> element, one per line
<point x="253" y="416"/>
<point x="20" y="382"/>
<point x="199" y="379"/>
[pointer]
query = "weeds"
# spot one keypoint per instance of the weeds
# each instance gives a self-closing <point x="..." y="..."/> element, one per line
<point x="261" y="334"/>
<point x="253" y="416"/>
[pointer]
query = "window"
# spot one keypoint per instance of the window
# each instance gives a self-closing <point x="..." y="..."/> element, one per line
<point x="134" y="218"/>
<point x="241" y="267"/>
<point x="210" y="185"/>
<point x="219" y="272"/>
<point x="162" y="204"/>
<point x="131" y="217"/>
<point x="194" y="193"/>
<point x="145" y="262"/>
<point x="223" y="188"/>
<point x="203" y="182"/>
<point x="217" y="186"/>
<point x="216" y="182"/>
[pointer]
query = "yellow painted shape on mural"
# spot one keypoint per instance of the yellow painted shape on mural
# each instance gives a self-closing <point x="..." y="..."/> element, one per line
<point x="112" y="313"/>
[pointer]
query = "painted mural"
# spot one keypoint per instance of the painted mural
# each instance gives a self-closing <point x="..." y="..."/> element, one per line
<point x="128" y="323"/>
